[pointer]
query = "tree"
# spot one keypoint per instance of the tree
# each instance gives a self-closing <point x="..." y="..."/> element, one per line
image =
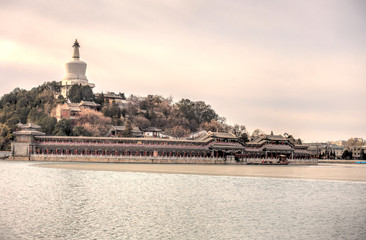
<point x="5" y="137"/>
<point x="178" y="131"/>
<point x="122" y="95"/>
<point x="94" y="122"/>
<point x="112" y="111"/>
<point x="48" y="124"/>
<point x="241" y="132"/>
<point x="100" y="99"/>
<point x="128" y="129"/>
<point x="141" y="122"/>
<point x="78" y="93"/>
<point x="197" y="111"/>
<point x="256" y="133"/>
<point x="81" y="131"/>
<point x="63" y="128"/>
<point x="347" y="155"/>
<point x="213" y="126"/>
<point x="35" y="115"/>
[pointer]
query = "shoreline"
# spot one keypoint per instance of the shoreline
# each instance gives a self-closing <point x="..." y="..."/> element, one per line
<point x="337" y="172"/>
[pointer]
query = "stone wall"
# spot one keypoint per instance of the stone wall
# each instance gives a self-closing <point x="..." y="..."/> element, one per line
<point x="128" y="159"/>
<point x="291" y="161"/>
<point x="20" y="149"/>
<point x="157" y="160"/>
<point x="339" y="161"/>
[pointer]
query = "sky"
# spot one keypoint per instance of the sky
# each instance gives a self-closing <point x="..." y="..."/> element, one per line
<point x="284" y="66"/>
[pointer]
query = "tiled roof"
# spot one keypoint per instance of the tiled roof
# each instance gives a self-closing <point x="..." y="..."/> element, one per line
<point x="211" y="135"/>
<point x="89" y="104"/>
<point x="28" y="125"/>
<point x="122" y="128"/>
<point x="152" y="129"/>
<point x="112" y="96"/>
<point x="75" y="109"/>
<point x="29" y="132"/>
<point x="223" y="135"/>
<point x="275" y="137"/>
<point x="278" y="147"/>
<point x="118" y="128"/>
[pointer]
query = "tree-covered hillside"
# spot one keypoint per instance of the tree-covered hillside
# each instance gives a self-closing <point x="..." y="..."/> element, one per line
<point x="25" y="106"/>
<point x="38" y="104"/>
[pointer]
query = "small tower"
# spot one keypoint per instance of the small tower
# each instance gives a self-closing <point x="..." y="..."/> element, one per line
<point x="74" y="72"/>
<point x="24" y="142"/>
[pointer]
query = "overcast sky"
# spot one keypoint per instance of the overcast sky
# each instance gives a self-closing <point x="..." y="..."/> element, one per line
<point x="288" y="66"/>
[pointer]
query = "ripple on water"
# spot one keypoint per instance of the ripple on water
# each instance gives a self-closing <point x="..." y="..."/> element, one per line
<point x="39" y="203"/>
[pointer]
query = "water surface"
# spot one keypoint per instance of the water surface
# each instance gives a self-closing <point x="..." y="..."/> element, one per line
<point x="44" y="203"/>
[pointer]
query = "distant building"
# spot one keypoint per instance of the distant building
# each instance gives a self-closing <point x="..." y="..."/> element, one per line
<point x="337" y="150"/>
<point x="152" y="132"/>
<point x="118" y="131"/>
<point x="222" y="145"/>
<point x="338" y="143"/>
<point x="88" y="104"/>
<point x="24" y="139"/>
<point x="356" y="151"/>
<point x="271" y="146"/>
<point x="316" y="149"/>
<point x="75" y="72"/>
<point x="72" y="110"/>
<point x="355" y="145"/>
<point x="67" y="111"/>
<point x="112" y="98"/>
<point x="217" y="145"/>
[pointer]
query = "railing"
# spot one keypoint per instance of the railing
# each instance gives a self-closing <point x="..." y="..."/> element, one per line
<point x="198" y="146"/>
<point x="128" y="157"/>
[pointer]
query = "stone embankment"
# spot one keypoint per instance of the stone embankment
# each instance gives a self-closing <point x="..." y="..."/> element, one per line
<point x="127" y="159"/>
<point x="5" y="154"/>
<point x="340" y="161"/>
<point x="150" y="159"/>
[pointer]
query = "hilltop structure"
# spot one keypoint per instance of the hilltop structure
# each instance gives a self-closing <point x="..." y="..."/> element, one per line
<point x="75" y="72"/>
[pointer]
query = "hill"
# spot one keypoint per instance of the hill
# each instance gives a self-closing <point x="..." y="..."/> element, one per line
<point x="37" y="105"/>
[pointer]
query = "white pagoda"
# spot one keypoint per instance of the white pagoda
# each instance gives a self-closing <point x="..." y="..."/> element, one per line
<point x="75" y="72"/>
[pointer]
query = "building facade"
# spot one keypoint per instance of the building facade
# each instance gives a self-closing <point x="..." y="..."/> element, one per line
<point x="272" y="146"/>
<point x="25" y="135"/>
<point x="212" y="144"/>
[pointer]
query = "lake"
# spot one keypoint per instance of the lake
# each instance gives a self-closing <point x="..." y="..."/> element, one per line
<point x="51" y="203"/>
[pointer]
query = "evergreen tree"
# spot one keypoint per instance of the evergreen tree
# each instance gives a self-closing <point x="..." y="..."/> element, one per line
<point x="78" y="93"/>
<point x="128" y="129"/>
<point x="347" y="155"/>
<point x="81" y="131"/>
<point x="5" y="137"/>
<point x="48" y="124"/>
<point x="100" y="99"/>
<point x="64" y="128"/>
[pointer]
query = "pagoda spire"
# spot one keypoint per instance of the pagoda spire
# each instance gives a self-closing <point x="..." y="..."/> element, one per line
<point x="76" y="54"/>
